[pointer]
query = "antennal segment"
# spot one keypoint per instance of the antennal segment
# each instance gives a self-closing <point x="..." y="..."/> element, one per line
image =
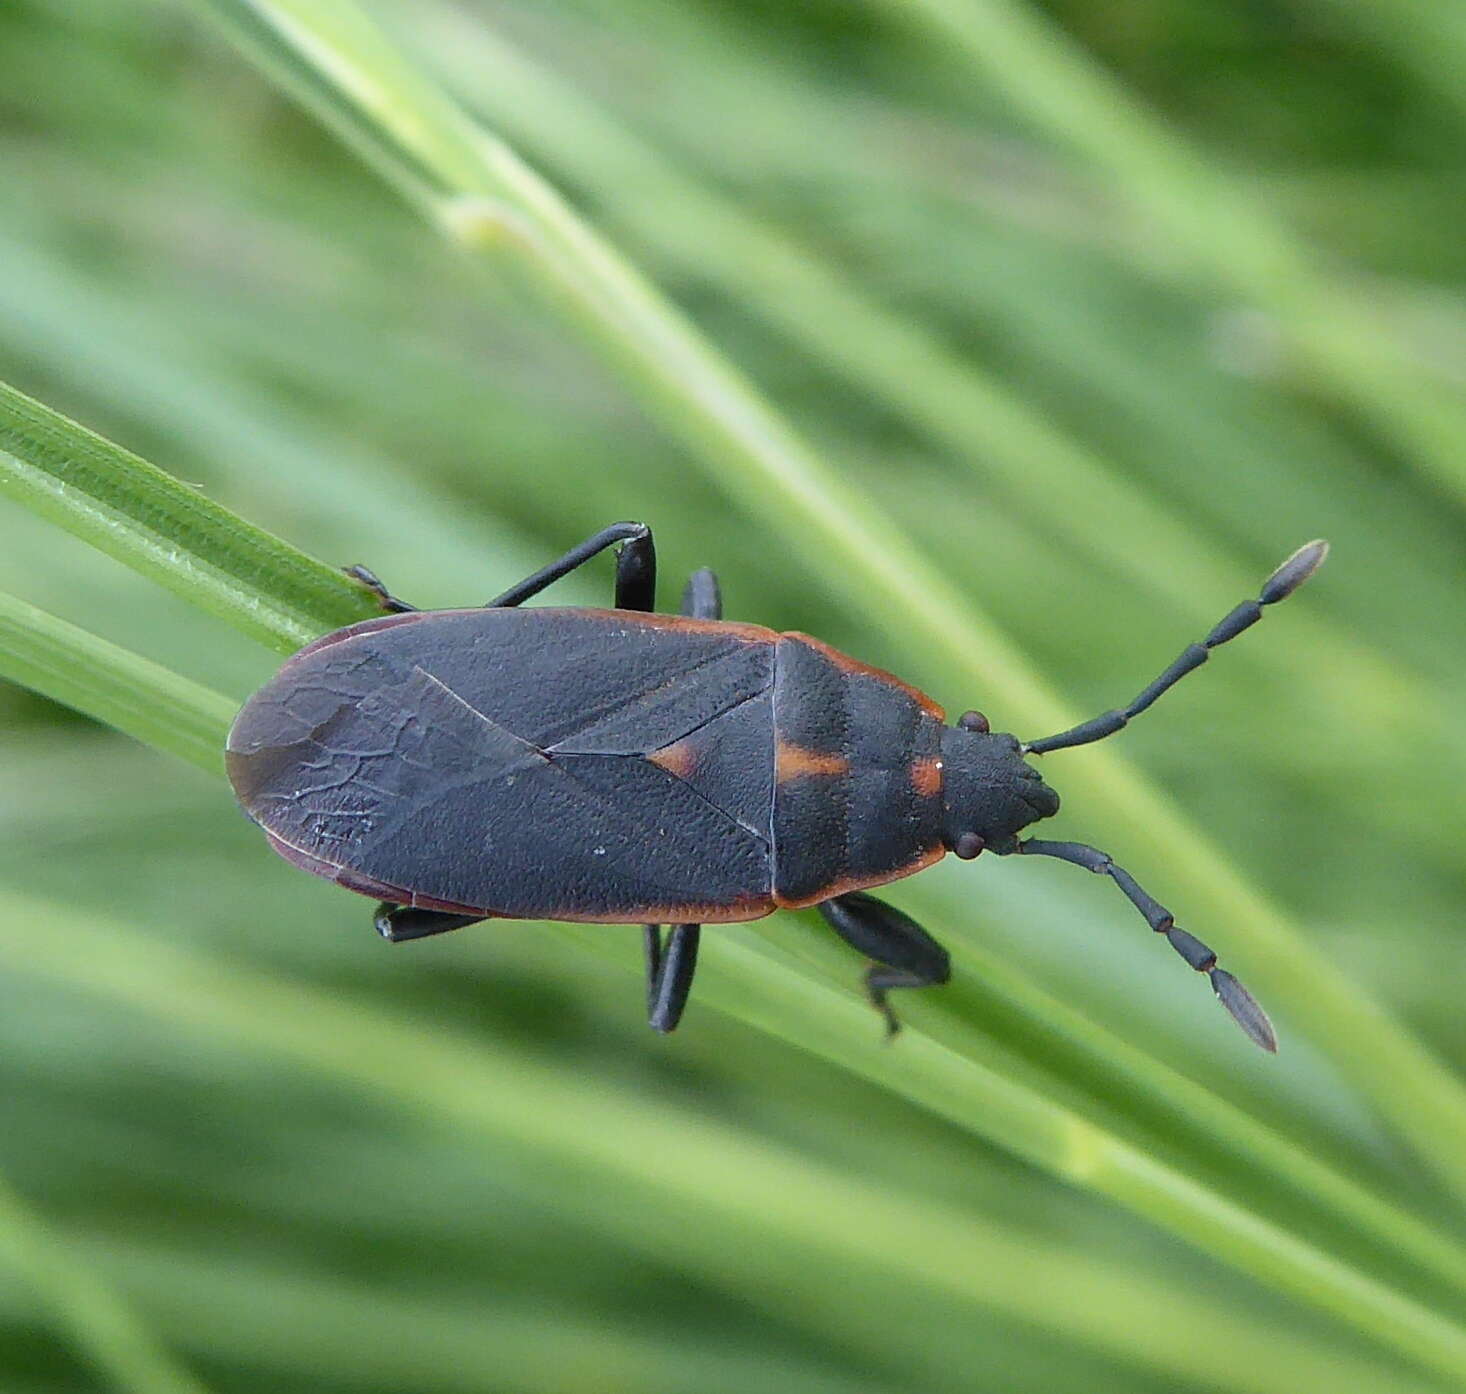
<point x="1233" y="996"/>
<point x="1281" y="584"/>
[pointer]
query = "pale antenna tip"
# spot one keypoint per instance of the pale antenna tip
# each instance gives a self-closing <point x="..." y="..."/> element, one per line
<point x="1295" y="571"/>
<point x="1244" y="1009"/>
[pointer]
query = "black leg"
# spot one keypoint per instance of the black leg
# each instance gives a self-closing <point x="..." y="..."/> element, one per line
<point x="1234" y="997"/>
<point x="636" y="574"/>
<point x="651" y="942"/>
<point x="669" y="967"/>
<point x="636" y="568"/>
<point x="636" y="571"/>
<point x="905" y="954"/>
<point x="398" y="923"/>
<point x="669" y="970"/>
<point x="369" y="579"/>
<point x="1281" y="584"/>
<point x="702" y="597"/>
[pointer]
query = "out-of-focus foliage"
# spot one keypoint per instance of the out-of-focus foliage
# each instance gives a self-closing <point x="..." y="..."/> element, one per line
<point x="1098" y="312"/>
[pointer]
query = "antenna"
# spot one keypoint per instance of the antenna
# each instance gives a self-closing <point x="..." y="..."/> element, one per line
<point x="1279" y="586"/>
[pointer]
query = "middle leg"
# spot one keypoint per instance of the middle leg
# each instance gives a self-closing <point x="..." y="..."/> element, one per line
<point x="670" y="966"/>
<point x="669" y="970"/>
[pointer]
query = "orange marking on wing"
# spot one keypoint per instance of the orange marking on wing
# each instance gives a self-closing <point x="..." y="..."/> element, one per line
<point x="795" y="762"/>
<point x="926" y="776"/>
<point x="679" y="758"/>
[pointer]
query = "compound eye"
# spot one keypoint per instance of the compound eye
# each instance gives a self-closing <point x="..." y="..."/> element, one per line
<point x="968" y="846"/>
<point x="974" y="721"/>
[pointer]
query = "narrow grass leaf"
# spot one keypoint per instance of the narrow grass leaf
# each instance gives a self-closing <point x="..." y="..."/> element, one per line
<point x="254" y="1313"/>
<point x="685" y="1166"/>
<point x="1046" y="75"/>
<point x="151" y="703"/>
<point x="160" y="527"/>
<point x="103" y="1329"/>
<point x="982" y="421"/>
<point x="502" y="205"/>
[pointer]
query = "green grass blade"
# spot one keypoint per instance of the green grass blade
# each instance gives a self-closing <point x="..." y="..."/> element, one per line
<point x="138" y="364"/>
<point x="334" y="1332"/>
<point x="153" y="704"/>
<point x="147" y="701"/>
<point x="576" y="1203"/>
<point x="1223" y="1135"/>
<point x="1045" y="75"/>
<point x="978" y="1096"/>
<point x="668" y="1164"/>
<point x="161" y="708"/>
<point x="99" y="1324"/>
<point x="972" y="413"/>
<point x="1428" y="38"/>
<point x="779" y="459"/>
<point x="163" y="529"/>
<point x="346" y="67"/>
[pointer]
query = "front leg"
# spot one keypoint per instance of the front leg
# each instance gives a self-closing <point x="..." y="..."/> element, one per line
<point x="636" y="568"/>
<point x="385" y="598"/>
<point x="636" y="571"/>
<point x="904" y="954"/>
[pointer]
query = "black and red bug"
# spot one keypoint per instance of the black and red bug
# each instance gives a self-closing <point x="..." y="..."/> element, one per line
<point x="626" y="766"/>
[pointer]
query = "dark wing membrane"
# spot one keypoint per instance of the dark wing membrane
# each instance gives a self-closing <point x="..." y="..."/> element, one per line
<point x="730" y="762"/>
<point x="600" y="681"/>
<point x="413" y="756"/>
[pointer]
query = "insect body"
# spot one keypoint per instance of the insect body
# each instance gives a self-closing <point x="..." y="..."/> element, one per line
<point x="631" y="767"/>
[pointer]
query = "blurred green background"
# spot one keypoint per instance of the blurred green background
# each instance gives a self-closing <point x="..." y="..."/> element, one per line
<point x="1095" y="312"/>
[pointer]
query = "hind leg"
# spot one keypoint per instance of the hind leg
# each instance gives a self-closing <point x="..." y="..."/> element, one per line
<point x="904" y="954"/>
